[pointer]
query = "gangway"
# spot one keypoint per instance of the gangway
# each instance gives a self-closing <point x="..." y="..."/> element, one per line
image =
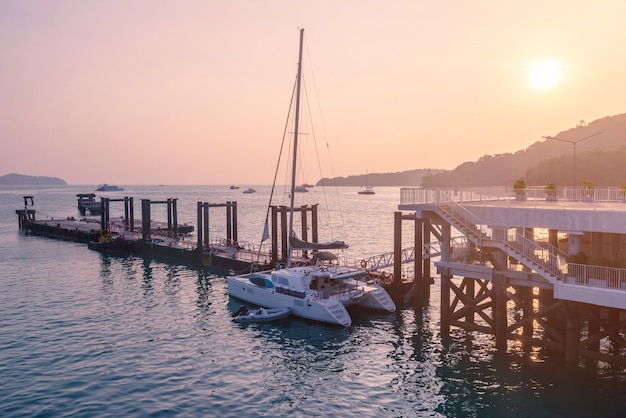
<point x="407" y="255"/>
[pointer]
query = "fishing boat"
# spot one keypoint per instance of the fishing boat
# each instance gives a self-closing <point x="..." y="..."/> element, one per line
<point x="234" y="187"/>
<point x="249" y="190"/>
<point x="245" y="315"/>
<point x="320" y="290"/>
<point x="109" y="188"/>
<point x="300" y="189"/>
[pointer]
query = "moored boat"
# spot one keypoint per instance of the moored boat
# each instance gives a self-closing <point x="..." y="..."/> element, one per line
<point x="245" y="315"/>
<point x="367" y="190"/>
<point x="109" y="188"/>
<point x="320" y="291"/>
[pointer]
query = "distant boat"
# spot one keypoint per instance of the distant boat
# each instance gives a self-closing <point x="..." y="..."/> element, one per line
<point x="367" y="189"/>
<point x="234" y="187"/>
<point x="109" y="188"/>
<point x="249" y="190"/>
<point x="307" y="185"/>
<point x="300" y="189"/>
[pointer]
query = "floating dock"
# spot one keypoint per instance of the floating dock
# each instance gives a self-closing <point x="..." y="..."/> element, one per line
<point x="170" y="239"/>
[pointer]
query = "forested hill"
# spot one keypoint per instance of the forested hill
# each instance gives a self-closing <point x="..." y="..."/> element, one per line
<point x="600" y="158"/>
<point x="23" y="180"/>
<point x="412" y="178"/>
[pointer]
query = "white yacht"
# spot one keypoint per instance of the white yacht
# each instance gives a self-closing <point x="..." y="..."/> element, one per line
<point x="320" y="291"/>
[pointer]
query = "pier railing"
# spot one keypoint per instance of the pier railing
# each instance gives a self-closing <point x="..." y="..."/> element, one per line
<point x="596" y="276"/>
<point x="560" y="195"/>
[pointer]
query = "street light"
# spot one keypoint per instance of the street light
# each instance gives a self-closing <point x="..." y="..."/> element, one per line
<point x="573" y="142"/>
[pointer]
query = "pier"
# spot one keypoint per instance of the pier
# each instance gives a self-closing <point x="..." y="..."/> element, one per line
<point x="546" y="270"/>
<point x="169" y="240"/>
<point x="520" y="268"/>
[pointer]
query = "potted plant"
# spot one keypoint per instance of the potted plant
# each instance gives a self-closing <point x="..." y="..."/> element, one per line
<point x="552" y="193"/>
<point x="588" y="190"/>
<point x="520" y="189"/>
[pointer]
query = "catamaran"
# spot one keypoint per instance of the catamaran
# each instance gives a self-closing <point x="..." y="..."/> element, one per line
<point x="320" y="291"/>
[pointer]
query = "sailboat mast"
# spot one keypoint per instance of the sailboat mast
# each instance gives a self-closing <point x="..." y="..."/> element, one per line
<point x="295" y="149"/>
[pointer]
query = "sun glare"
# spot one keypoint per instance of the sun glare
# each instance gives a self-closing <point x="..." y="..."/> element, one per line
<point x="545" y="75"/>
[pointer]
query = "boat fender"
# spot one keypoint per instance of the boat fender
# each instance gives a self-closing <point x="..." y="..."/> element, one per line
<point x="363" y="263"/>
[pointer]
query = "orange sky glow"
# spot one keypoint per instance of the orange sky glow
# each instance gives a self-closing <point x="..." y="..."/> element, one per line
<point x="197" y="92"/>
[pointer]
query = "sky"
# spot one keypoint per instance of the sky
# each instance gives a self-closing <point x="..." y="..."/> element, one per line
<point x="142" y="92"/>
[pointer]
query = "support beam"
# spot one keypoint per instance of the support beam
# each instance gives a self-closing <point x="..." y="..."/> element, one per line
<point x="499" y="310"/>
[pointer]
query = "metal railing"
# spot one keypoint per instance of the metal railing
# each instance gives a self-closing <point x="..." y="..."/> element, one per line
<point x="416" y="196"/>
<point x="544" y="257"/>
<point x="596" y="276"/>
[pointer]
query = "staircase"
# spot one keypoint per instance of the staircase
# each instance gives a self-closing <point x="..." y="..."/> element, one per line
<point x="546" y="259"/>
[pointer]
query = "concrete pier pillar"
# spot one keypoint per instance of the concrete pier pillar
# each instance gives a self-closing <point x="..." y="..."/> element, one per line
<point x="572" y="332"/>
<point x="445" y="305"/>
<point x="175" y="216"/>
<point x="596" y="244"/>
<point x="229" y="223"/>
<point x="499" y="310"/>
<point x="525" y="294"/>
<point x="470" y="291"/>
<point x="131" y="214"/>
<point x="553" y="237"/>
<point x="613" y="320"/>
<point x="274" y="234"/>
<point x="445" y="280"/>
<point x="574" y="243"/>
<point x="593" y="326"/>
<point x="418" y="276"/>
<point x="615" y="247"/>
<point x="234" y="222"/>
<point x="283" y="230"/>
<point x="397" y="255"/>
<point x="426" y="279"/>
<point x="205" y="225"/>
<point x="199" y="223"/>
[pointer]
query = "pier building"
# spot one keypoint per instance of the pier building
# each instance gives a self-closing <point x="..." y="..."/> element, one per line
<point x="544" y="268"/>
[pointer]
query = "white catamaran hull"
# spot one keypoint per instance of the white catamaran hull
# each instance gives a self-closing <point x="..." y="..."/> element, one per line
<point x="328" y="311"/>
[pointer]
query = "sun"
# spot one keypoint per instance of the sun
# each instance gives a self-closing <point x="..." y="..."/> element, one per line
<point x="545" y="74"/>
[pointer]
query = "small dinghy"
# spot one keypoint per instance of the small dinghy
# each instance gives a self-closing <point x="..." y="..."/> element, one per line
<point x="245" y="315"/>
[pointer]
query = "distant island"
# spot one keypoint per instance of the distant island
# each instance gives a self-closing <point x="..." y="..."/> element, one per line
<point x="410" y="178"/>
<point x="14" y="179"/>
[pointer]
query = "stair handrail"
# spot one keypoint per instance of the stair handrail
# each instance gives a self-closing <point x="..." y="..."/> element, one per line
<point x="523" y="245"/>
<point x="461" y="215"/>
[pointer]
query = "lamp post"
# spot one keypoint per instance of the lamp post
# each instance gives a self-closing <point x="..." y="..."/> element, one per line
<point x="573" y="142"/>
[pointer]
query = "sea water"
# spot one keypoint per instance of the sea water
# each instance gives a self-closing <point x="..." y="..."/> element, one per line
<point x="85" y="334"/>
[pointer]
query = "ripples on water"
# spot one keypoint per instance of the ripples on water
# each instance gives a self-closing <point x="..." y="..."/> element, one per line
<point x="85" y="334"/>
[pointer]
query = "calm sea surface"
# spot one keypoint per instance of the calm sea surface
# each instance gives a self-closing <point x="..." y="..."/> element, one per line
<point x="85" y="334"/>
